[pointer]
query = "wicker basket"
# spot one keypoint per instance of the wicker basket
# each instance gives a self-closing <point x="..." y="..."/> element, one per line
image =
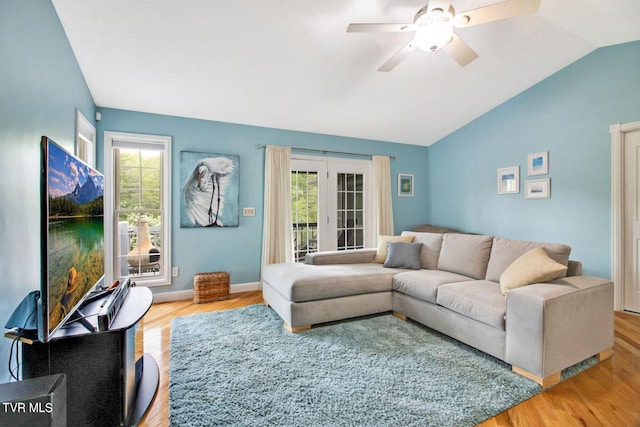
<point x="210" y="286"/>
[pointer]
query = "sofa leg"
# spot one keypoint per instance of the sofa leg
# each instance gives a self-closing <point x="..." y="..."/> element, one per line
<point x="296" y="329"/>
<point x="554" y="379"/>
<point x="545" y="382"/>
<point x="400" y="316"/>
<point x="605" y="354"/>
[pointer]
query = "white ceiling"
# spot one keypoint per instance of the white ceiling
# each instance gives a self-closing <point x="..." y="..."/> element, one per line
<point x="290" y="64"/>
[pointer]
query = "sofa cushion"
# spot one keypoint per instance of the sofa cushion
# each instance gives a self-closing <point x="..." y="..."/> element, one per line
<point x="505" y="251"/>
<point x="403" y="255"/>
<point x="533" y="267"/>
<point x="352" y="256"/>
<point x="303" y="282"/>
<point x="465" y="254"/>
<point x="381" y="254"/>
<point x="424" y="284"/>
<point x="431" y="244"/>
<point x="480" y="300"/>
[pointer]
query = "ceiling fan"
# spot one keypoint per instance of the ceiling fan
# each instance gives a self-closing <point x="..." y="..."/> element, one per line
<point x="433" y="26"/>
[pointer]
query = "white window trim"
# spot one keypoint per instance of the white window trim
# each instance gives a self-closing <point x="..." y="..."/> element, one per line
<point x="333" y="166"/>
<point x="133" y="140"/>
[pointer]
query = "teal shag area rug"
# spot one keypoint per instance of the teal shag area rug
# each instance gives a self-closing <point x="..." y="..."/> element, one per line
<point x="240" y="367"/>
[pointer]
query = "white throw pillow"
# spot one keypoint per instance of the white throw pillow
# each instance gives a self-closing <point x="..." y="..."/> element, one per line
<point x="534" y="266"/>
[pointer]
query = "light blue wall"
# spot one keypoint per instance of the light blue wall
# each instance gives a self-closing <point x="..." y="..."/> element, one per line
<point x="41" y="87"/>
<point x="568" y="114"/>
<point x="238" y="249"/>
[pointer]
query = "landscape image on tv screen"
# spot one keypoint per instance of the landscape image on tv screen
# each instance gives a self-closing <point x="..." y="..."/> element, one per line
<point x="75" y="253"/>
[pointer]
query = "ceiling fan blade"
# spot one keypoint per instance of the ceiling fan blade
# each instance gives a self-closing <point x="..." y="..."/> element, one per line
<point x="460" y="51"/>
<point x="438" y="4"/>
<point x="397" y="58"/>
<point x="379" y="28"/>
<point x="496" y="12"/>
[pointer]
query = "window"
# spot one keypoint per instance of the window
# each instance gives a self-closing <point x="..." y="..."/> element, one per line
<point x="137" y="206"/>
<point x="330" y="210"/>
<point x="85" y="140"/>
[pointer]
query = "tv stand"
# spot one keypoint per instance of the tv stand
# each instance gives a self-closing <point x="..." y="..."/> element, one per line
<point x="110" y="382"/>
<point x="79" y="316"/>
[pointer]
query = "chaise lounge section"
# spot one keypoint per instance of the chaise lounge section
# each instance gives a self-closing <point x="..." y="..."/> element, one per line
<point x="477" y="289"/>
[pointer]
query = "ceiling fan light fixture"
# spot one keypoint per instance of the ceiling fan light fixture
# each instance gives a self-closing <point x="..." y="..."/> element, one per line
<point x="433" y="25"/>
<point x="434" y="35"/>
<point x="461" y="19"/>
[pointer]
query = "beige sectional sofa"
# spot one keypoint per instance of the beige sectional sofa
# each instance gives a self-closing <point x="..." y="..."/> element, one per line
<point x="456" y="288"/>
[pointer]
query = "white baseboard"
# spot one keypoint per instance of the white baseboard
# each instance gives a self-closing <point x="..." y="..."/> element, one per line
<point x="188" y="293"/>
<point x="244" y="287"/>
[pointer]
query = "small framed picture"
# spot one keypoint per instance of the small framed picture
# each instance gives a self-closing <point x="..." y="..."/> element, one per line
<point x="538" y="163"/>
<point x="405" y="185"/>
<point x="509" y="180"/>
<point x="537" y="188"/>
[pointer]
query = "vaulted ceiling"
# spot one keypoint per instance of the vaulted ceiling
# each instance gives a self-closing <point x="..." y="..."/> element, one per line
<point x="290" y="64"/>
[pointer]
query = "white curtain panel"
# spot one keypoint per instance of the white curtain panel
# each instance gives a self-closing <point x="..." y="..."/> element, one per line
<point x="276" y="236"/>
<point x="383" y="209"/>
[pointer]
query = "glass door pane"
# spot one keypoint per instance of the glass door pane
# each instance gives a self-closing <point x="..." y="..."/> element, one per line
<point x="304" y="212"/>
<point x="350" y="210"/>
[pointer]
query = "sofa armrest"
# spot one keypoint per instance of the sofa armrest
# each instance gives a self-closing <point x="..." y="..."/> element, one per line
<point x="551" y="326"/>
<point x="352" y="256"/>
<point x="574" y="268"/>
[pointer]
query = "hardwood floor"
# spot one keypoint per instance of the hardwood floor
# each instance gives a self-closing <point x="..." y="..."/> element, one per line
<point x="607" y="394"/>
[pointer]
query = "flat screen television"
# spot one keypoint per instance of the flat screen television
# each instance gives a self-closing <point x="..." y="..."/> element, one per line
<point x="72" y="227"/>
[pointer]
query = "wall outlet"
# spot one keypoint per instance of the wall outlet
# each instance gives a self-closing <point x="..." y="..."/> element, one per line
<point x="248" y="211"/>
<point x="175" y="272"/>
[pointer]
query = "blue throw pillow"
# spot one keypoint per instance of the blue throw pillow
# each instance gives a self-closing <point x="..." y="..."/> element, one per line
<point x="403" y="255"/>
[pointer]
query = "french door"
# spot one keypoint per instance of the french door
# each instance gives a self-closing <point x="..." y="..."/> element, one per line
<point x="331" y="208"/>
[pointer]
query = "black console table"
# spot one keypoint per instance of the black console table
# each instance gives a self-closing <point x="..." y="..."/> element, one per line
<point x="110" y="382"/>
